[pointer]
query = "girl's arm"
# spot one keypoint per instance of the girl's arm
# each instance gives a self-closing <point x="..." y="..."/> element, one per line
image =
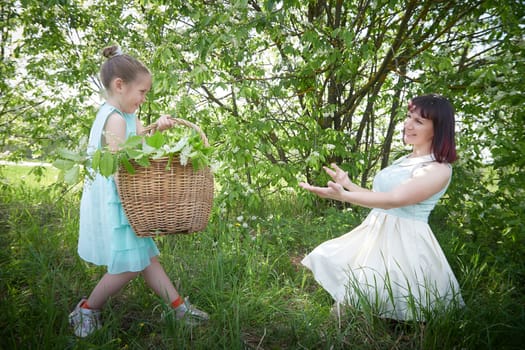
<point x="115" y="129"/>
<point x="114" y="132"/>
<point x="424" y="183"/>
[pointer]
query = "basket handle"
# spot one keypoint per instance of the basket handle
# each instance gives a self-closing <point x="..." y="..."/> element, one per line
<point x="179" y="121"/>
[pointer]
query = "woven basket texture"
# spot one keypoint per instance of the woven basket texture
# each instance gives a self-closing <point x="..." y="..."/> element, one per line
<point x="160" y="201"/>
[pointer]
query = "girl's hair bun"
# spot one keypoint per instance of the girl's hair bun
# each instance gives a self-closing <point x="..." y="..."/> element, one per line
<point x="111" y="51"/>
<point x="119" y="65"/>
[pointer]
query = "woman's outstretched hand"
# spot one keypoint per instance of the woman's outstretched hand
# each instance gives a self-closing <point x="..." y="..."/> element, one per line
<point x="338" y="175"/>
<point x="332" y="190"/>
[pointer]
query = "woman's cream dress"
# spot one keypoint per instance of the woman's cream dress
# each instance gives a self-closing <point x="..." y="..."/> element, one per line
<point x="391" y="262"/>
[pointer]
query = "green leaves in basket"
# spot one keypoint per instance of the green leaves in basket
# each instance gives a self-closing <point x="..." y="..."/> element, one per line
<point x="156" y="141"/>
<point x="69" y="155"/>
<point x="127" y="165"/>
<point x="69" y="170"/>
<point x="107" y="165"/>
<point x="187" y="145"/>
<point x="69" y="163"/>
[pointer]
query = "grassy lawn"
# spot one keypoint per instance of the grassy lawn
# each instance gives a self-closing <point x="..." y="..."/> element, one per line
<point x="31" y="174"/>
<point x="245" y="273"/>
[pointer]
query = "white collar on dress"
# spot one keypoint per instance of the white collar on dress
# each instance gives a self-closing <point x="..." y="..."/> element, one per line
<point x="406" y="161"/>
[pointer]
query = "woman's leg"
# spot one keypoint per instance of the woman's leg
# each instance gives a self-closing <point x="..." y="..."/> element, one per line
<point x="109" y="285"/>
<point x="157" y="279"/>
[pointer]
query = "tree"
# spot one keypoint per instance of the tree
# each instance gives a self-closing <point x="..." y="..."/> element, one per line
<point x="280" y="88"/>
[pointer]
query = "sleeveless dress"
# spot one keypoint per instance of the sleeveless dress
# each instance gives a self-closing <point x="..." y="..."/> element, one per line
<point x="391" y="262"/>
<point x="106" y="237"/>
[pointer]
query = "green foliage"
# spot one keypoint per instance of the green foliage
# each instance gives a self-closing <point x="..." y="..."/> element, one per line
<point x="280" y="88"/>
<point x="487" y="217"/>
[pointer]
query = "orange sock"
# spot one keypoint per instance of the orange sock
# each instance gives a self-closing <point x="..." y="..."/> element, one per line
<point x="85" y="305"/>
<point x="177" y="302"/>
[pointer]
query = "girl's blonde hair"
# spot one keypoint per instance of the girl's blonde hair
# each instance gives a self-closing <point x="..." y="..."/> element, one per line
<point x="119" y="65"/>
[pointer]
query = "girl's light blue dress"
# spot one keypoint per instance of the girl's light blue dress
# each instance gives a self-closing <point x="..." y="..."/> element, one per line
<point x="105" y="237"/>
<point x="391" y="263"/>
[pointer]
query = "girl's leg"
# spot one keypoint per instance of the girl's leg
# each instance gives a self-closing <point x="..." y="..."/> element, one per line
<point x="85" y="318"/>
<point x="157" y="279"/>
<point x="109" y="285"/>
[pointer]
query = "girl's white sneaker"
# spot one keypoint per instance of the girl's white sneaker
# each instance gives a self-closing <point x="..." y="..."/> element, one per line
<point x="190" y="314"/>
<point x="84" y="321"/>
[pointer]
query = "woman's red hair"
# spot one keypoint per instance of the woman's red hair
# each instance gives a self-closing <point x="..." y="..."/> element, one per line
<point x="441" y="112"/>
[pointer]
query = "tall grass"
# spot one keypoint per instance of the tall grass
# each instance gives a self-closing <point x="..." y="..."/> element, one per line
<point x="245" y="271"/>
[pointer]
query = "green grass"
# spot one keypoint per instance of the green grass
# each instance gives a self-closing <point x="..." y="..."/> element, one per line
<point x="248" y="278"/>
<point x="33" y="175"/>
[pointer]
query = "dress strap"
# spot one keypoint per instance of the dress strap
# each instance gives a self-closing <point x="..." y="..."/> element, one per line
<point x="131" y="124"/>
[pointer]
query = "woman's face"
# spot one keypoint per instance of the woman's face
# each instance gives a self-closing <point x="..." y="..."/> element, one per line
<point x="418" y="131"/>
<point x="134" y="93"/>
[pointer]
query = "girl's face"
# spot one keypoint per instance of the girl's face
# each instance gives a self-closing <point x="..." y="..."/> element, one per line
<point x="418" y="131"/>
<point x="132" y="95"/>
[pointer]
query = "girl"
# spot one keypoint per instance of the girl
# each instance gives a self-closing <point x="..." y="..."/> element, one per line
<point x="106" y="238"/>
<point x="392" y="260"/>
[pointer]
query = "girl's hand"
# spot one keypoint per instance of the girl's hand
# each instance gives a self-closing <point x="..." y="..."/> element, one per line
<point x="338" y="175"/>
<point x="165" y="122"/>
<point x="332" y="190"/>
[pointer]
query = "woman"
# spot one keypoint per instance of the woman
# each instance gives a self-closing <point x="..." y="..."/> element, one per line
<point x="392" y="261"/>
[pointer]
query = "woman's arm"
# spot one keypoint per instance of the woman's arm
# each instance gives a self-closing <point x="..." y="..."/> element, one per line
<point x="424" y="183"/>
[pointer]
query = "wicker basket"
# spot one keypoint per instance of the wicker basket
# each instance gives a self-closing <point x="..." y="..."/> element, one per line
<point x="161" y="202"/>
